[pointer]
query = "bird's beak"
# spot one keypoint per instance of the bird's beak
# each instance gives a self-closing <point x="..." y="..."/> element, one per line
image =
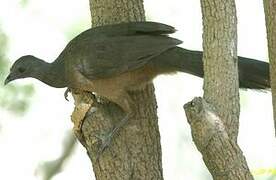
<point x="8" y="79"/>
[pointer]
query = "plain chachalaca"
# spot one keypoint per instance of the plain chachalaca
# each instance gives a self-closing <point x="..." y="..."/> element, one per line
<point x="114" y="59"/>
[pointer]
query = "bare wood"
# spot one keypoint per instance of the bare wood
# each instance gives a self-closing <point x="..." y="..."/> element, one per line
<point x="135" y="152"/>
<point x="215" y="124"/>
<point x="270" y="17"/>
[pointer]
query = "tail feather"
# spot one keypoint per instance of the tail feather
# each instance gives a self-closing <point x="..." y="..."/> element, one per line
<point x="253" y="74"/>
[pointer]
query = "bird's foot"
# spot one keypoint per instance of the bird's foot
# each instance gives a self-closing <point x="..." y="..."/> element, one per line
<point x="95" y="102"/>
<point x="66" y="93"/>
<point x="106" y="139"/>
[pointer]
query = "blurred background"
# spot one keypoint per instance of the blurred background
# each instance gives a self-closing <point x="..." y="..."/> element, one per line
<point x="35" y="126"/>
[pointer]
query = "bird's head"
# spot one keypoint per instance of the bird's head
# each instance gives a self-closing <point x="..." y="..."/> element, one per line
<point x="22" y="68"/>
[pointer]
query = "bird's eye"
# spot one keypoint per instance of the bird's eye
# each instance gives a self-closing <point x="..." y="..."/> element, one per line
<point x="21" y="70"/>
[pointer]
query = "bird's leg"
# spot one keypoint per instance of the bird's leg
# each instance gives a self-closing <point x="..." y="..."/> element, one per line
<point x="126" y="103"/>
<point x="106" y="139"/>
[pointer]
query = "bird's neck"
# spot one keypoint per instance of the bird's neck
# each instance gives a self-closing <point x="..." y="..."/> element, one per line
<point x="52" y="74"/>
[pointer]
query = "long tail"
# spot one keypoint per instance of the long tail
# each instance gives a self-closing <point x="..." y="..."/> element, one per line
<point x="253" y="74"/>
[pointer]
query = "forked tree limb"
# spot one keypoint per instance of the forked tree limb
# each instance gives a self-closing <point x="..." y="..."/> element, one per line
<point x="222" y="156"/>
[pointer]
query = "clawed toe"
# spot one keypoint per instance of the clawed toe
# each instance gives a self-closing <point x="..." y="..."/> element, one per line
<point x="66" y="94"/>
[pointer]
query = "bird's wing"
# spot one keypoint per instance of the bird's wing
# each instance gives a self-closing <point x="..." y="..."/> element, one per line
<point x="106" y="57"/>
<point x="128" y="29"/>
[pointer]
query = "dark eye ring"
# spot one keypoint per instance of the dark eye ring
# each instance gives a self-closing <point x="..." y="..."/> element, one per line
<point x="21" y="70"/>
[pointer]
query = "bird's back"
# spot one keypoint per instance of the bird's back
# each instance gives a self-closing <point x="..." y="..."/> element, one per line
<point x="110" y="50"/>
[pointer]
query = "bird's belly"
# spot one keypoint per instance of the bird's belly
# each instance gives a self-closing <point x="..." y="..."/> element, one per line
<point x="110" y="87"/>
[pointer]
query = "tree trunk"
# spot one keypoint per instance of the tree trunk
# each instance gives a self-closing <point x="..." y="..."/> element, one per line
<point x="221" y="85"/>
<point x="135" y="151"/>
<point x="270" y="17"/>
<point x="215" y="119"/>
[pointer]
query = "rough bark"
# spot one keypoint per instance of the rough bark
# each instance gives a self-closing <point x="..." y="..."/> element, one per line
<point x="270" y="17"/>
<point x="221" y="154"/>
<point x="215" y="131"/>
<point x="221" y="86"/>
<point x="135" y="152"/>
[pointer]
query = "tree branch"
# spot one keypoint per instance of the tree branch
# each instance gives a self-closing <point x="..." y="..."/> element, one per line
<point x="270" y="17"/>
<point x="215" y="124"/>
<point x="222" y="156"/>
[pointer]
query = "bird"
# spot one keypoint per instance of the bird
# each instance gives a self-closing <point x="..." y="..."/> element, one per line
<point x="112" y="60"/>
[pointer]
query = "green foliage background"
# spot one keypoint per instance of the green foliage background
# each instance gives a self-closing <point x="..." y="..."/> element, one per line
<point x="14" y="98"/>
